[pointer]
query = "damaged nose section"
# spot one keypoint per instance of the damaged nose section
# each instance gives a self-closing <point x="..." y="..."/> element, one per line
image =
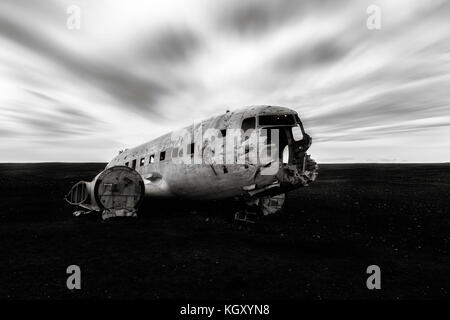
<point x="311" y="169"/>
<point x="289" y="176"/>
<point x="295" y="175"/>
<point x="115" y="192"/>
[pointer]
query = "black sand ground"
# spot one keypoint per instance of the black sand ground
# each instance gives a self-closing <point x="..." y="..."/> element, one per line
<point x="394" y="216"/>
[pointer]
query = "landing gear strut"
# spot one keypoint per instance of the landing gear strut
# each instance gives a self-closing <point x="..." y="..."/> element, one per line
<point x="263" y="206"/>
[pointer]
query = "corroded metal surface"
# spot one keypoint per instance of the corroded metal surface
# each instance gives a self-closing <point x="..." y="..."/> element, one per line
<point x="116" y="191"/>
<point x="191" y="163"/>
<point x="119" y="188"/>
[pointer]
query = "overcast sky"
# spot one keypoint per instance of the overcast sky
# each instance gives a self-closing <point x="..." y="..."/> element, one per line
<point x="138" y="69"/>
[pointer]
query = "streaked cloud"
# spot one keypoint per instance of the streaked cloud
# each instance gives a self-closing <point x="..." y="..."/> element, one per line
<point x="137" y="69"/>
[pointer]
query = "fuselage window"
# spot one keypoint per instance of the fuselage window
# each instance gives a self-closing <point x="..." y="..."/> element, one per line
<point x="249" y="123"/>
<point x="174" y="152"/>
<point x="191" y="149"/>
<point x="151" y="159"/>
<point x="142" y="162"/>
<point x="162" y="155"/>
<point x="133" y="164"/>
<point x="127" y="164"/>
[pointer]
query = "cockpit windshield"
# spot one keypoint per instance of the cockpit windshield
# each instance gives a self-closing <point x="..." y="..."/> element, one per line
<point x="278" y="120"/>
<point x="284" y="120"/>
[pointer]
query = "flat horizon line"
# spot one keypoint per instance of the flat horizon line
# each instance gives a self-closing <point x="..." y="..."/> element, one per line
<point x="105" y="162"/>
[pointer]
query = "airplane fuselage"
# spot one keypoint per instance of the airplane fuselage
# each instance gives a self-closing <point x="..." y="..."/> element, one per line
<point x="256" y="153"/>
<point x="171" y="167"/>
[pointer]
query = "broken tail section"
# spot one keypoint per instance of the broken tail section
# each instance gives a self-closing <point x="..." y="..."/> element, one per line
<point x="115" y="192"/>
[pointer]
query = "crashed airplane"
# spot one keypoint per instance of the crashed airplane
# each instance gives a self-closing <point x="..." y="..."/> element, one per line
<point x="256" y="154"/>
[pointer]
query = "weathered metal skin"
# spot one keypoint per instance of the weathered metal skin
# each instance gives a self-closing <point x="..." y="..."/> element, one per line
<point x="116" y="188"/>
<point x="206" y="177"/>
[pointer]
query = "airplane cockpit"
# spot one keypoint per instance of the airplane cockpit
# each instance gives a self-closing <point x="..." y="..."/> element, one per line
<point x="293" y="140"/>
